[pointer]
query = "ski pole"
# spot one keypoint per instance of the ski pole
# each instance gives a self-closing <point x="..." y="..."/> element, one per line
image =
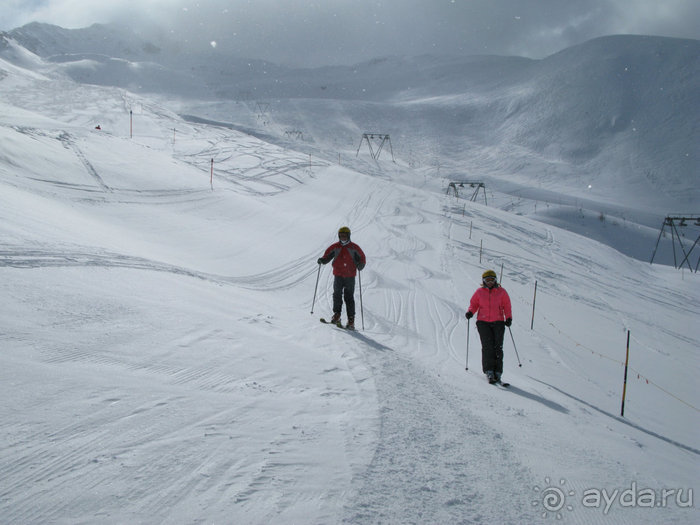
<point x="362" y="312"/>
<point x="515" y="347"/>
<point x="468" y="323"/>
<point x="316" y="288"/>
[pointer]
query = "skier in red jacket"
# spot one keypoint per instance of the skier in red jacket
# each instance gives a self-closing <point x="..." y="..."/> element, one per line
<point x="492" y="303"/>
<point x="347" y="258"/>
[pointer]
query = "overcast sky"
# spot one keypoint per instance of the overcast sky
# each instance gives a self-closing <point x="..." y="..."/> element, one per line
<point x="319" y="32"/>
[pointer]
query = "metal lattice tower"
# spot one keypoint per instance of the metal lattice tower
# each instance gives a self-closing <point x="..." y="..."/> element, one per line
<point x="476" y="185"/>
<point x="673" y="224"/>
<point x="383" y="139"/>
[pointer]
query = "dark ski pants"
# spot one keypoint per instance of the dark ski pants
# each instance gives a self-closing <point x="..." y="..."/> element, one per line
<point x="491" y="335"/>
<point x="344" y="288"/>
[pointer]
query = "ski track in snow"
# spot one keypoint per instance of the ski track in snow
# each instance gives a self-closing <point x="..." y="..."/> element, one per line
<point x="280" y="278"/>
<point x="435" y="461"/>
<point x="433" y="456"/>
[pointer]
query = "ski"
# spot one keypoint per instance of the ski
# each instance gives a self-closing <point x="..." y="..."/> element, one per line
<point x="339" y="325"/>
<point x="494" y="381"/>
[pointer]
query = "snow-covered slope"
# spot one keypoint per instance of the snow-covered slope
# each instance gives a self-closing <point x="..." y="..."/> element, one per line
<point x="159" y="363"/>
<point x="608" y="122"/>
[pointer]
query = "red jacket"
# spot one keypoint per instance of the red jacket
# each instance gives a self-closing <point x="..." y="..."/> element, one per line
<point x="493" y="304"/>
<point x="346" y="259"/>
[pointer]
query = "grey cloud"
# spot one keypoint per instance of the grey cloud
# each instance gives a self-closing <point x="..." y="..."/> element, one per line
<point x="318" y="32"/>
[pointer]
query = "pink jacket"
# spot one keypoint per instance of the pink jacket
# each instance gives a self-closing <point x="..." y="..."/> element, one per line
<point x="493" y="304"/>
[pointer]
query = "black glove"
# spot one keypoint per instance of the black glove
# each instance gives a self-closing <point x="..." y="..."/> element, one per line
<point x="321" y="261"/>
<point x="509" y="321"/>
<point x="358" y="261"/>
<point x="469" y="315"/>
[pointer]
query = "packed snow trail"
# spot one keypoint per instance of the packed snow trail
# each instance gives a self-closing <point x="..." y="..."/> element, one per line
<point x="435" y="461"/>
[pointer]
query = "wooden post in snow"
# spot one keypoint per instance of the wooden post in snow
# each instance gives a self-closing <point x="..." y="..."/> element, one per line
<point x="624" y="385"/>
<point x="534" y="298"/>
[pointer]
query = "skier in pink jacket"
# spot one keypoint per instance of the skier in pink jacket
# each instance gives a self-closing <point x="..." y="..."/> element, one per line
<point x="492" y="303"/>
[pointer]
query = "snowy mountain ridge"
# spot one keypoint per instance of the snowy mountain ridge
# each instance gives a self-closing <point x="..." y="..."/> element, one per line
<point x="627" y="104"/>
<point x="159" y="363"/>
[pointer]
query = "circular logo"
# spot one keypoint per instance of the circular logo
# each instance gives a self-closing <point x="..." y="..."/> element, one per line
<point x="553" y="498"/>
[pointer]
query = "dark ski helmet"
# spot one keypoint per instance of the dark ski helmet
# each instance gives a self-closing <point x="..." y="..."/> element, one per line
<point x="344" y="231"/>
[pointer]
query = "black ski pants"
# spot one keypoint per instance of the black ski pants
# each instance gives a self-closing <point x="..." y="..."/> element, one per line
<point x="344" y="288"/>
<point x="491" y="335"/>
